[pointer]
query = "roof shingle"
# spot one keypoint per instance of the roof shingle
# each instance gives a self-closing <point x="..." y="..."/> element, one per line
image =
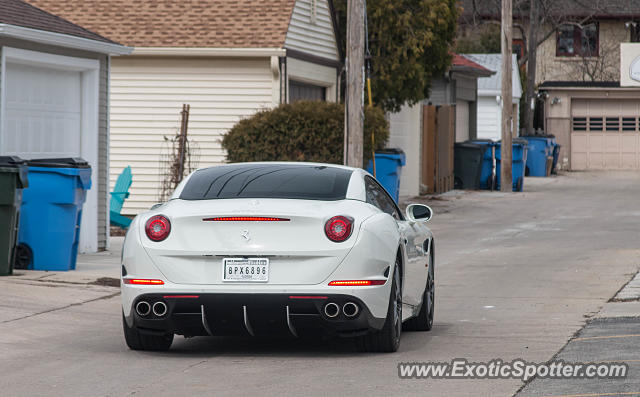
<point x="185" y="23"/>
<point x="19" y="13"/>
<point x="459" y="60"/>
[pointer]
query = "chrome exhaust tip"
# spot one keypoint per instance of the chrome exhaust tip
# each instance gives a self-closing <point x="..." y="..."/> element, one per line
<point x="331" y="310"/>
<point x="143" y="308"/>
<point x="350" y="309"/>
<point x="159" y="309"/>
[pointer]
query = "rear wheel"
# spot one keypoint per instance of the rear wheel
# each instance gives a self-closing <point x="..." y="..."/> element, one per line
<point x="424" y="320"/>
<point x="23" y="257"/>
<point x="139" y="341"/>
<point x="388" y="338"/>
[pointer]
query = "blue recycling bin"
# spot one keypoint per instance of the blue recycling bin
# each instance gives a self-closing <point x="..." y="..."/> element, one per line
<point x="389" y="163"/>
<point x="486" y="172"/>
<point x="518" y="160"/>
<point x="538" y="150"/>
<point x="51" y="213"/>
<point x="556" y="154"/>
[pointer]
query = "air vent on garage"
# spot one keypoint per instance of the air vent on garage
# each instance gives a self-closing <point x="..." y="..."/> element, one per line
<point x="613" y="124"/>
<point x="595" y="123"/>
<point x="629" y="124"/>
<point x="579" y="123"/>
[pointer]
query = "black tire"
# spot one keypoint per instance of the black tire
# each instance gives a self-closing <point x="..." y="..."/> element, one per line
<point x="23" y="257"/>
<point x="139" y="341"/>
<point x="424" y="320"/>
<point x="457" y="183"/>
<point x="492" y="183"/>
<point x="387" y="339"/>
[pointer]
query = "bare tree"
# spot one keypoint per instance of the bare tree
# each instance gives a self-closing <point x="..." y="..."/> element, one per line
<point x="598" y="67"/>
<point x="538" y="20"/>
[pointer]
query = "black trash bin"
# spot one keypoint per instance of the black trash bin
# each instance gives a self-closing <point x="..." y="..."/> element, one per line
<point x="13" y="178"/>
<point x="467" y="164"/>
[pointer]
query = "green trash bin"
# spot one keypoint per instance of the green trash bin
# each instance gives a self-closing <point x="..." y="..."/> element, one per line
<point x="13" y="178"/>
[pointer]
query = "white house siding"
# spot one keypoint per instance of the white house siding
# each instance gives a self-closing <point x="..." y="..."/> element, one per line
<point x="488" y="117"/>
<point x="311" y="29"/>
<point x="462" y="121"/>
<point x="146" y="99"/>
<point x="405" y="133"/>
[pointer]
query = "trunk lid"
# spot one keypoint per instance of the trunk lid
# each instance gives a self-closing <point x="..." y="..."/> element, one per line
<point x="298" y="250"/>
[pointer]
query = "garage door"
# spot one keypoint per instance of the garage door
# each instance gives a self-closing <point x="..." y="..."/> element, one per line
<point x="605" y="134"/>
<point x="43" y="112"/>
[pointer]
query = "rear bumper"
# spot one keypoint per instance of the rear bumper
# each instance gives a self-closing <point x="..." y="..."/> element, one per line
<point x="216" y="314"/>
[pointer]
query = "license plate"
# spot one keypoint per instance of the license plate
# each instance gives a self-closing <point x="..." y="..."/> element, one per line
<point x="245" y="269"/>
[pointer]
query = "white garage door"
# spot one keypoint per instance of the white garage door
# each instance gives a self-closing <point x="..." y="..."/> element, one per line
<point x="50" y="109"/>
<point x="605" y="134"/>
<point x="43" y="112"/>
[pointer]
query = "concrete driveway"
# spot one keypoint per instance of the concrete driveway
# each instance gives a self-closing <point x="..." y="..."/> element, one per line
<point x="517" y="276"/>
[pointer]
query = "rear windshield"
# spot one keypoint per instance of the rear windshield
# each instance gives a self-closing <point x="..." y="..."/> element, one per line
<point x="289" y="181"/>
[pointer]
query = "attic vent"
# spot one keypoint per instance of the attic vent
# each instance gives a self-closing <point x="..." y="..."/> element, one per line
<point x="314" y="11"/>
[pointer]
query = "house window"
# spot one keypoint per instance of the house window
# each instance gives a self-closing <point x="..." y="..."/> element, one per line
<point x="574" y="40"/>
<point x="299" y="91"/>
<point x="634" y="28"/>
<point x="518" y="47"/>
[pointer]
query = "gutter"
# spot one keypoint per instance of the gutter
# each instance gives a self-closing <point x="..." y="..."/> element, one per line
<point x="62" y="40"/>
<point x="209" y="52"/>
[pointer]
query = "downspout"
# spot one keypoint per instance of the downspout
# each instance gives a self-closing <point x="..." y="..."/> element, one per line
<point x="276" y="92"/>
<point x="107" y="164"/>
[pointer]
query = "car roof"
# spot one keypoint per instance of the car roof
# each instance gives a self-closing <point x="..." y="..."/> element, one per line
<point x="286" y="163"/>
<point x="355" y="188"/>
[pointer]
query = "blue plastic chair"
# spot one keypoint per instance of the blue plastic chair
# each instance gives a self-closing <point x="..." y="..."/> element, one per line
<point x="118" y="196"/>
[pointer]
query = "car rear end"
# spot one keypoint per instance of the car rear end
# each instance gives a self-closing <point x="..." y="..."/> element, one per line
<point x="258" y="249"/>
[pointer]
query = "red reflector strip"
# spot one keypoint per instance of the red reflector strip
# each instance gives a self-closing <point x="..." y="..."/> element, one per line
<point x="143" y="281"/>
<point x="245" y="219"/>
<point x="181" y="296"/>
<point x="307" y="297"/>
<point x="357" y="283"/>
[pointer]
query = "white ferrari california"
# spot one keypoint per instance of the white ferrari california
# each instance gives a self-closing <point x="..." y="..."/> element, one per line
<point x="262" y="248"/>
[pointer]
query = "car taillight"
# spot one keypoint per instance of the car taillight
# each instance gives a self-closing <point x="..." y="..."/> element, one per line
<point x="356" y="283"/>
<point x="158" y="228"/>
<point x="338" y="228"/>
<point x="143" y="281"/>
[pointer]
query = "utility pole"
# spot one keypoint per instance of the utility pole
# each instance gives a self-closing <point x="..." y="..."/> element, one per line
<point x="506" y="180"/>
<point x="531" y="67"/>
<point x="354" y="116"/>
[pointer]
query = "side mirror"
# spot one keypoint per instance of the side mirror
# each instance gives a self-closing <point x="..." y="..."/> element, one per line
<point x="419" y="212"/>
<point x="156" y="205"/>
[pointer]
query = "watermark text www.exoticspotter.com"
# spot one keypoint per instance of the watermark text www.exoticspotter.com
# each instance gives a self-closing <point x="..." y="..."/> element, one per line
<point x="459" y="368"/>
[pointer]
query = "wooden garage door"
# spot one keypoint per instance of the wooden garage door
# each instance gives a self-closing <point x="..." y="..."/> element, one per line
<point x="605" y="134"/>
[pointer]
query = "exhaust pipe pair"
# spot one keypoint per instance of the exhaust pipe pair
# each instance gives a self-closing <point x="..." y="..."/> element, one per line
<point x="144" y="308"/>
<point x="349" y="309"/>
